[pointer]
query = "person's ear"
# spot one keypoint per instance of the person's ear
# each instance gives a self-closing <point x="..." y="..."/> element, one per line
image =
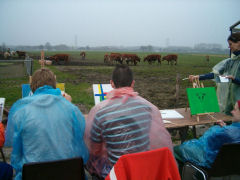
<point x="112" y="84"/>
<point x="132" y="84"/>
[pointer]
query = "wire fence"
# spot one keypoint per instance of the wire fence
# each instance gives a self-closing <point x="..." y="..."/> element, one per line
<point x="14" y="72"/>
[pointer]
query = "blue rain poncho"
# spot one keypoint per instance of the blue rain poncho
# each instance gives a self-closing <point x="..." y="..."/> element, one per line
<point x="204" y="150"/>
<point x="45" y="127"/>
<point x="228" y="93"/>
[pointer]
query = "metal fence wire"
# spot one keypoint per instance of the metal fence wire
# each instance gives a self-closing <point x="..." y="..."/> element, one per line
<point x="15" y="72"/>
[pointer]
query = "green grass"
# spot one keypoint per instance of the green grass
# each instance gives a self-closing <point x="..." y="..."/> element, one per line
<point x="81" y="94"/>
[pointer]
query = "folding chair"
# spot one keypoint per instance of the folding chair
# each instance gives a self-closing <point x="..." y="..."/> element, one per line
<point x="225" y="164"/>
<point x="4" y="121"/>
<point x="3" y="156"/>
<point x="67" y="169"/>
<point x="155" y="164"/>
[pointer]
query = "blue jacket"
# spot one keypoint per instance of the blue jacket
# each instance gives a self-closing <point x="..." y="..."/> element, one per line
<point x="204" y="150"/>
<point x="45" y="127"/>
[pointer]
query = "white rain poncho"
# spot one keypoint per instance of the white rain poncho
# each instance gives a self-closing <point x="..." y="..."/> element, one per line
<point x="228" y="93"/>
<point x="45" y="127"/>
<point x="124" y="123"/>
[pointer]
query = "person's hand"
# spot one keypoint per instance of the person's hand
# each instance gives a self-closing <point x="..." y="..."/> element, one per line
<point x="236" y="112"/>
<point x="221" y="123"/>
<point x="193" y="77"/>
<point x="67" y="96"/>
<point x="230" y="77"/>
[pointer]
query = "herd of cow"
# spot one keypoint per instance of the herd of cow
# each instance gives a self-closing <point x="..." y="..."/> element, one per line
<point x="108" y="58"/>
<point x="133" y="58"/>
<point x="119" y="58"/>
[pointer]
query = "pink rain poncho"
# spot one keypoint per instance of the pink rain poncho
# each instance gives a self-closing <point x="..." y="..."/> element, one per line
<point x="124" y="123"/>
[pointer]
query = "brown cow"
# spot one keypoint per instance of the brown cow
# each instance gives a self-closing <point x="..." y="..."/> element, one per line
<point x="133" y="58"/>
<point x="116" y="57"/>
<point x="107" y="59"/>
<point x="83" y="55"/>
<point x="21" y="54"/>
<point x="207" y="58"/>
<point x="170" y="58"/>
<point x="60" y="57"/>
<point x="152" y="58"/>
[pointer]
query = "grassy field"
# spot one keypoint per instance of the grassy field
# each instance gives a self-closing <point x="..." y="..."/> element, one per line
<point x="154" y="82"/>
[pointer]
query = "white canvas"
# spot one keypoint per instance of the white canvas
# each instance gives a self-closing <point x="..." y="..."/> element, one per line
<point x="100" y="91"/>
<point x="170" y="114"/>
<point x="2" y="102"/>
<point x="223" y="79"/>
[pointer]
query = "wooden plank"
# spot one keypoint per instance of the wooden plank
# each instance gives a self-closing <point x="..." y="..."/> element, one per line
<point x="189" y="120"/>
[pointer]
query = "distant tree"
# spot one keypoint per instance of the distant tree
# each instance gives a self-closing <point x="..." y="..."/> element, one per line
<point x="142" y="48"/>
<point x="48" y="46"/>
<point x="61" y="47"/>
<point x="150" y="48"/>
<point x="146" y="48"/>
<point x="41" y="47"/>
<point x="4" y="48"/>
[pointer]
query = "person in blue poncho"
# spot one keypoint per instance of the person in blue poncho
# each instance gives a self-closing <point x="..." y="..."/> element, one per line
<point x="45" y="126"/>
<point x="228" y="92"/>
<point x="204" y="150"/>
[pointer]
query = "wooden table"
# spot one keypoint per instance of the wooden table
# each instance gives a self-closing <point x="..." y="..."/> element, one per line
<point x="189" y="120"/>
<point x="183" y="124"/>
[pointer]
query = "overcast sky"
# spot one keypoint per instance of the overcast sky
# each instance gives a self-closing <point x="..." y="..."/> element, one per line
<point x="117" y="22"/>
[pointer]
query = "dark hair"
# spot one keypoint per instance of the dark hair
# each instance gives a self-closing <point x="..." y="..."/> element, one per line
<point x="122" y="76"/>
<point x="234" y="37"/>
<point x="43" y="77"/>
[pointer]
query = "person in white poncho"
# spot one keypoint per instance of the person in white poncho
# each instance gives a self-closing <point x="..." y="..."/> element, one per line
<point x="228" y="92"/>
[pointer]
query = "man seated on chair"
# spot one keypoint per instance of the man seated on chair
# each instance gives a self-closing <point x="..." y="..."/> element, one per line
<point x="124" y="123"/>
<point x="204" y="150"/>
<point x="45" y="126"/>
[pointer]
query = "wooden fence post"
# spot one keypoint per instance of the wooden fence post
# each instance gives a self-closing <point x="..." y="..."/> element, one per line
<point x="177" y="89"/>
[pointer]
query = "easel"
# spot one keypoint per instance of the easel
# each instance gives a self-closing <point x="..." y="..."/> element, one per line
<point x="196" y="84"/>
<point x="42" y="60"/>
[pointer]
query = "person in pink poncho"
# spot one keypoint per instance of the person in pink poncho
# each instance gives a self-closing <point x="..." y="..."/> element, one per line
<point x="124" y="123"/>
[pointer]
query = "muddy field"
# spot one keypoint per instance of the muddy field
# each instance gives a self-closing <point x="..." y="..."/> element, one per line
<point x="154" y="89"/>
<point x="156" y="83"/>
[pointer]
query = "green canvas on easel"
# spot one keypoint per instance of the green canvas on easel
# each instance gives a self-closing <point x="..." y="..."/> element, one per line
<point x="202" y="100"/>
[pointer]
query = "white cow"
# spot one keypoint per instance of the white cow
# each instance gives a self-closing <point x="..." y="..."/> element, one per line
<point x="7" y="55"/>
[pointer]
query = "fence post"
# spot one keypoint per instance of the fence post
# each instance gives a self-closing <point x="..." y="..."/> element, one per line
<point x="177" y="89"/>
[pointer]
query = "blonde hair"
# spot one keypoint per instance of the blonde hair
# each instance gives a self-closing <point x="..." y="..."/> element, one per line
<point x="43" y="77"/>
